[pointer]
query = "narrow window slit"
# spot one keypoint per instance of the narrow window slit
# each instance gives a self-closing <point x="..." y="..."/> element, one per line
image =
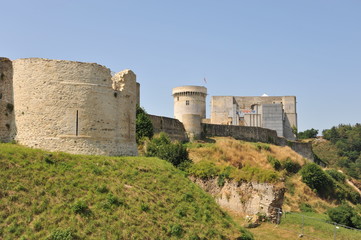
<point x="77" y="123"/>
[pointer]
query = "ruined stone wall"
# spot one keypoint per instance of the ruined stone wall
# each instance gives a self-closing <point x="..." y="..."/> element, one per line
<point x="173" y="127"/>
<point x="7" y="123"/>
<point x="253" y="134"/>
<point x="257" y="134"/>
<point x="304" y="149"/>
<point x="72" y="107"/>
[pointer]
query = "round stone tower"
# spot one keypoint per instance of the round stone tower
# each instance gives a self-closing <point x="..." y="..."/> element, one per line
<point x="74" y="107"/>
<point x="190" y="108"/>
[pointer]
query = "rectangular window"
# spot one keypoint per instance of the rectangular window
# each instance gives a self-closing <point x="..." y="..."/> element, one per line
<point x="187" y="102"/>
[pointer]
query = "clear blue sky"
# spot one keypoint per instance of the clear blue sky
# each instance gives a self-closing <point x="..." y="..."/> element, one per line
<point x="309" y="48"/>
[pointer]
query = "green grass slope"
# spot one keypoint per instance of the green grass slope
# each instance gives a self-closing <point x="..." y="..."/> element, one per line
<point x="62" y="196"/>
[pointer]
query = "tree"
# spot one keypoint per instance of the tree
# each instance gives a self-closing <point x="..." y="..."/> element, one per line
<point x="162" y="147"/>
<point x="345" y="215"/>
<point x="143" y="125"/>
<point x="310" y="133"/>
<point x="317" y="179"/>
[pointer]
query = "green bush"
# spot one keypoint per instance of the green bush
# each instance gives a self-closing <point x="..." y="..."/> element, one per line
<point x="290" y="166"/>
<point x="204" y="170"/>
<point x="81" y="208"/>
<point x="264" y="146"/>
<point x="345" y="215"/>
<point x="163" y="148"/>
<point x="317" y="179"/>
<point x="305" y="207"/>
<point x="310" y="133"/>
<point x="276" y="164"/>
<point x="143" y="125"/>
<point x="338" y="176"/>
<point x="176" y="230"/>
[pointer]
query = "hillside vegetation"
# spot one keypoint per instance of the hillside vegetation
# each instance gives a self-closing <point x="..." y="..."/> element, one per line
<point x="62" y="196"/>
<point x="243" y="161"/>
<point x="347" y="140"/>
<point x="310" y="190"/>
<point x="246" y="161"/>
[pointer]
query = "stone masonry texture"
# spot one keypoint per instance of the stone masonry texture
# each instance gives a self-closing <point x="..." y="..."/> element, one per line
<point x="74" y="107"/>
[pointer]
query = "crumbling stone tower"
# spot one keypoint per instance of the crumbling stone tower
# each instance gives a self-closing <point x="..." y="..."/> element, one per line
<point x="74" y="107"/>
<point x="190" y="108"/>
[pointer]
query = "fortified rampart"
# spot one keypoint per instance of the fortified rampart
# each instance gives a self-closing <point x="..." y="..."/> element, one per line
<point x="74" y="107"/>
<point x="257" y="134"/>
<point x="173" y="127"/>
<point x="252" y="134"/>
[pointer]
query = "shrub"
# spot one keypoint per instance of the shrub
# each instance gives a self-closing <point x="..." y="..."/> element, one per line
<point x="290" y="166"/>
<point x="81" y="208"/>
<point x="310" y="133"/>
<point x="113" y="200"/>
<point x="204" y="170"/>
<point x="317" y="179"/>
<point x="345" y="215"/>
<point x="276" y="164"/>
<point x="338" y="176"/>
<point x="143" y="125"/>
<point x="305" y="207"/>
<point x="163" y="148"/>
<point x="176" y="230"/>
<point x="264" y="146"/>
<point x="144" y="207"/>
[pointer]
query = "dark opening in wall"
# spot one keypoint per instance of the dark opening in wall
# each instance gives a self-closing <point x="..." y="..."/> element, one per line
<point x="115" y="94"/>
<point x="187" y="102"/>
<point x="77" y="123"/>
<point x="9" y="107"/>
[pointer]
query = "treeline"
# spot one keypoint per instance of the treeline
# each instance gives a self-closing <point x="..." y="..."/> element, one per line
<point x="347" y="139"/>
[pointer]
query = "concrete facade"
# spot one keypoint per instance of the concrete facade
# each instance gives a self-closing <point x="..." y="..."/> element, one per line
<point x="276" y="113"/>
<point x="74" y="107"/>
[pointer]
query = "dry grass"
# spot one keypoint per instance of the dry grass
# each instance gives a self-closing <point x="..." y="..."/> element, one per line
<point x="228" y="151"/>
<point x="298" y="192"/>
<point x="239" y="153"/>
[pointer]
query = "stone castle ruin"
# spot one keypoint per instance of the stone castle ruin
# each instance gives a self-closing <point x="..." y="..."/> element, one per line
<point x="81" y="108"/>
<point x="263" y="119"/>
<point x="275" y="113"/>
<point x="68" y="106"/>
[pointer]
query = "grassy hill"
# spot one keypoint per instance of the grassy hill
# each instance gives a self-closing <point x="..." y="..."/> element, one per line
<point x="62" y="196"/>
<point x="246" y="161"/>
<point x="253" y="161"/>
